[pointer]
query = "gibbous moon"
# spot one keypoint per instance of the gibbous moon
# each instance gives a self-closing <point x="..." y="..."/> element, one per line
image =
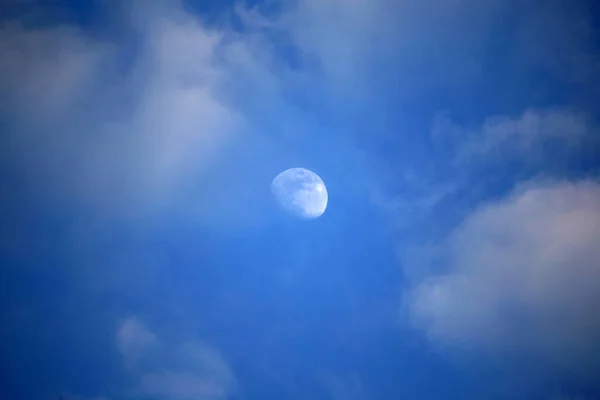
<point x="300" y="192"/>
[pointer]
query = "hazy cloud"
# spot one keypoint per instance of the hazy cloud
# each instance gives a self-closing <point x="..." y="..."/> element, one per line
<point x="522" y="276"/>
<point x="45" y="71"/>
<point x="94" y="117"/>
<point x="134" y="339"/>
<point x="354" y="40"/>
<point x="482" y="161"/>
<point x="173" y="369"/>
<point x="534" y="136"/>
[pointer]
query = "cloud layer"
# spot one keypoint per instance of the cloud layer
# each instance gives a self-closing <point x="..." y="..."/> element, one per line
<point x="115" y="126"/>
<point x="523" y="277"/>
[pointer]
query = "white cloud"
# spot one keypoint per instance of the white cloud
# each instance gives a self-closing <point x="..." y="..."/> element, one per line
<point x="173" y="369"/>
<point x="470" y="162"/>
<point x="526" y="136"/>
<point x="111" y="125"/>
<point x="522" y="276"/>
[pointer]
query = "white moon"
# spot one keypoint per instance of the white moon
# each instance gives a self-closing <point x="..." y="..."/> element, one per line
<point x="300" y="192"/>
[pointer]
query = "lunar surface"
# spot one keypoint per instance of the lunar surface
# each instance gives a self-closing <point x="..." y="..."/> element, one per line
<point x="300" y="192"/>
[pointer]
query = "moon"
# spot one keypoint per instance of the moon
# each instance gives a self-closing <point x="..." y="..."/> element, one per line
<point x="300" y="192"/>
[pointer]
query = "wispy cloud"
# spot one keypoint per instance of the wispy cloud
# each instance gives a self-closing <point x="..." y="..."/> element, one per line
<point x="533" y="137"/>
<point x="354" y="40"/>
<point x="173" y="369"/>
<point x="477" y="163"/>
<point x="134" y="340"/>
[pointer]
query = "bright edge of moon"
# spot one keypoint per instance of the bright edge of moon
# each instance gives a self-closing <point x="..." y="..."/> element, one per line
<point x="300" y="192"/>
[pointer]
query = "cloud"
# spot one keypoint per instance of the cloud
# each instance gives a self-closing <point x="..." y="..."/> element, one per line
<point x="165" y="120"/>
<point x="151" y="118"/>
<point x="534" y="136"/>
<point x="170" y="115"/>
<point x="45" y="70"/>
<point x="173" y="369"/>
<point x="134" y="339"/>
<point x="473" y="164"/>
<point x="115" y="125"/>
<point x="362" y="46"/>
<point x="522" y="276"/>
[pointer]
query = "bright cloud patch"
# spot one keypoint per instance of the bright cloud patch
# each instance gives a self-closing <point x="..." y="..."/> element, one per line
<point x="523" y="273"/>
<point x="139" y="124"/>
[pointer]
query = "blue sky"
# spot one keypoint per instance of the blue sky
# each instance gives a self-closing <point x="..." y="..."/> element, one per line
<point x="142" y="255"/>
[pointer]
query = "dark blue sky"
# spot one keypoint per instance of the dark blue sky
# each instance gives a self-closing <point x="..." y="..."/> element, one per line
<point x="142" y="255"/>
